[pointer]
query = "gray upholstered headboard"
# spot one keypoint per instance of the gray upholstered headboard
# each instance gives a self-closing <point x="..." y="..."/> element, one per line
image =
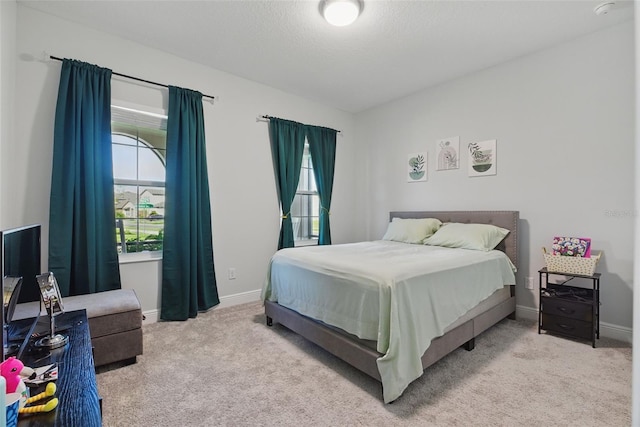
<point x="504" y="219"/>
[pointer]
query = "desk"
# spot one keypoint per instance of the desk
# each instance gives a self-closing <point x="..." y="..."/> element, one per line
<point x="77" y="390"/>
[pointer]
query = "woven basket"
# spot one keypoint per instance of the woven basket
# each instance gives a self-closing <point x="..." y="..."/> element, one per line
<point x="571" y="264"/>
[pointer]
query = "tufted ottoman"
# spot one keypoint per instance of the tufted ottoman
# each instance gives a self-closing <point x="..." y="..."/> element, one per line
<point x="115" y="322"/>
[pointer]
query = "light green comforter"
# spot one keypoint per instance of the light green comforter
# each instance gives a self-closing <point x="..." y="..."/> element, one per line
<point x="398" y="294"/>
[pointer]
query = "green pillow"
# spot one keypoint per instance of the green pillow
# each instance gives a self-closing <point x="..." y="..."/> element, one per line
<point x="411" y="230"/>
<point x="481" y="237"/>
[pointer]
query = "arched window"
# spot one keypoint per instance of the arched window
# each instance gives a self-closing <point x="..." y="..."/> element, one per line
<point x="139" y="159"/>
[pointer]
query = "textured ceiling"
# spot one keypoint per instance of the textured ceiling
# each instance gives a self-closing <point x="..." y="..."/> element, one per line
<point x="395" y="47"/>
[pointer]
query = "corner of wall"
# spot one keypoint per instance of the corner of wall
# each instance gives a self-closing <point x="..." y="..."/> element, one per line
<point x="8" y="17"/>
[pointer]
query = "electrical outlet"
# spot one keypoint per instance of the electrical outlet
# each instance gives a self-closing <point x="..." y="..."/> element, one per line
<point x="528" y="282"/>
<point x="232" y="274"/>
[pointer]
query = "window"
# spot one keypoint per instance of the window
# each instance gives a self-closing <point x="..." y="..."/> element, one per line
<point x="139" y="163"/>
<point x="305" y="210"/>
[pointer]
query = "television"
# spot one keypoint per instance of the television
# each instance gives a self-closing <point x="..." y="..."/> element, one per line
<point x="21" y="258"/>
<point x="20" y="250"/>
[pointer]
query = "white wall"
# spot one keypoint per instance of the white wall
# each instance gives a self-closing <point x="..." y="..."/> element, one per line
<point x="564" y="122"/>
<point x="7" y="83"/>
<point x="566" y="107"/>
<point x="635" y="398"/>
<point x="244" y="203"/>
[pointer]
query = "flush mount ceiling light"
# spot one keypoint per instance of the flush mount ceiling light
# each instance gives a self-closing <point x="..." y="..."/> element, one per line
<point x="604" y="8"/>
<point x="340" y="12"/>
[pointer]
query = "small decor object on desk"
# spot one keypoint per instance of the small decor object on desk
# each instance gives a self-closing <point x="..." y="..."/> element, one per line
<point x="50" y="294"/>
<point x="11" y="286"/>
<point x="14" y="371"/>
<point x="3" y="402"/>
<point x="17" y="397"/>
<point x="11" y="412"/>
<point x="571" y="264"/>
<point x="48" y="406"/>
<point x="42" y="375"/>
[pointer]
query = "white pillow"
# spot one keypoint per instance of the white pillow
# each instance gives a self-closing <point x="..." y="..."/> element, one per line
<point x="481" y="237"/>
<point x="411" y="230"/>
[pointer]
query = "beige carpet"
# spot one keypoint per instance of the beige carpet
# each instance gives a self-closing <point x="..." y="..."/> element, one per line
<point x="226" y="368"/>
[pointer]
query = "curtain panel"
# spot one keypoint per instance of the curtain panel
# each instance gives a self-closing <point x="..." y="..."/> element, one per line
<point x="287" y="147"/>
<point x="188" y="275"/>
<point x="322" y="146"/>
<point x="82" y="241"/>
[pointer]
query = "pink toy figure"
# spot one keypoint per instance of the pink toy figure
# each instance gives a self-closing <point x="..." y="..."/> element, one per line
<point x="10" y="369"/>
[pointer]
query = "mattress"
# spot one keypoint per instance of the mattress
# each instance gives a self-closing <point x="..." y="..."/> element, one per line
<point x="399" y="295"/>
<point x="499" y="296"/>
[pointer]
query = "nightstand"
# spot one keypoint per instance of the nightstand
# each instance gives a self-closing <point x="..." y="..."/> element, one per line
<point x="569" y="310"/>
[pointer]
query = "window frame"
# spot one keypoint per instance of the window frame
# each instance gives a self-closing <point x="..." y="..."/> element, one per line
<point x="310" y="238"/>
<point x="128" y="117"/>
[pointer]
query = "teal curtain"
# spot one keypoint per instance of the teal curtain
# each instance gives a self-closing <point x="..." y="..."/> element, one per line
<point x="287" y="148"/>
<point x="82" y="240"/>
<point x="188" y="275"/>
<point x="322" y="146"/>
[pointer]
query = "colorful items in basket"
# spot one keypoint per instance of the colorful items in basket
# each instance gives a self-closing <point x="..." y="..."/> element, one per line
<point x="571" y="246"/>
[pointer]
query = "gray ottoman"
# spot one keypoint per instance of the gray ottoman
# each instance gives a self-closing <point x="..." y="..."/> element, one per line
<point x="115" y="322"/>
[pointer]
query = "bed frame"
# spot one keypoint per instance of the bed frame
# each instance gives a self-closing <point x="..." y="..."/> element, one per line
<point x="358" y="354"/>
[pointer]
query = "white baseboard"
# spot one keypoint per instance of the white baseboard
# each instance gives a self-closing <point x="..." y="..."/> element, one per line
<point x="241" y="298"/>
<point x="152" y="316"/>
<point x="609" y="330"/>
<point x="617" y="332"/>
<point x="523" y="312"/>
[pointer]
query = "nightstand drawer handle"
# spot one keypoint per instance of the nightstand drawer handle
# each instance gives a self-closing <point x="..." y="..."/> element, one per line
<point x="566" y="310"/>
<point x="563" y="326"/>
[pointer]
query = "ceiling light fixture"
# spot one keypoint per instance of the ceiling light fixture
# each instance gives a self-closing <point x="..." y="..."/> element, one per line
<point x="340" y="12"/>
<point x="604" y="8"/>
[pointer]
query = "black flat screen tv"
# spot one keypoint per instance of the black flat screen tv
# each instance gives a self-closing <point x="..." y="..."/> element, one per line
<point x="20" y="250"/>
<point x="21" y="258"/>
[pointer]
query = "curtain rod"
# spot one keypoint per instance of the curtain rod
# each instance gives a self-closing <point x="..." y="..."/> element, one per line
<point x="138" y="79"/>
<point x="265" y="118"/>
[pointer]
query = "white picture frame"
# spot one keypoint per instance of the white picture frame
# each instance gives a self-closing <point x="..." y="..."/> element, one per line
<point x="417" y="167"/>
<point x="482" y="158"/>
<point x="448" y="153"/>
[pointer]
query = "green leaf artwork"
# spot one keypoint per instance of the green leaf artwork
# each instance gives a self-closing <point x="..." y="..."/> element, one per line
<point x="482" y="158"/>
<point x="417" y="167"/>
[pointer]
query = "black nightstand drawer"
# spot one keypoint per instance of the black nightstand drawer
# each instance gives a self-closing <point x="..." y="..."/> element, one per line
<point x="572" y="309"/>
<point x="567" y="326"/>
<point x="569" y="310"/>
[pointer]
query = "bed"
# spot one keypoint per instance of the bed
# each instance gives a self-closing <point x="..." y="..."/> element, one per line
<point x="388" y="323"/>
